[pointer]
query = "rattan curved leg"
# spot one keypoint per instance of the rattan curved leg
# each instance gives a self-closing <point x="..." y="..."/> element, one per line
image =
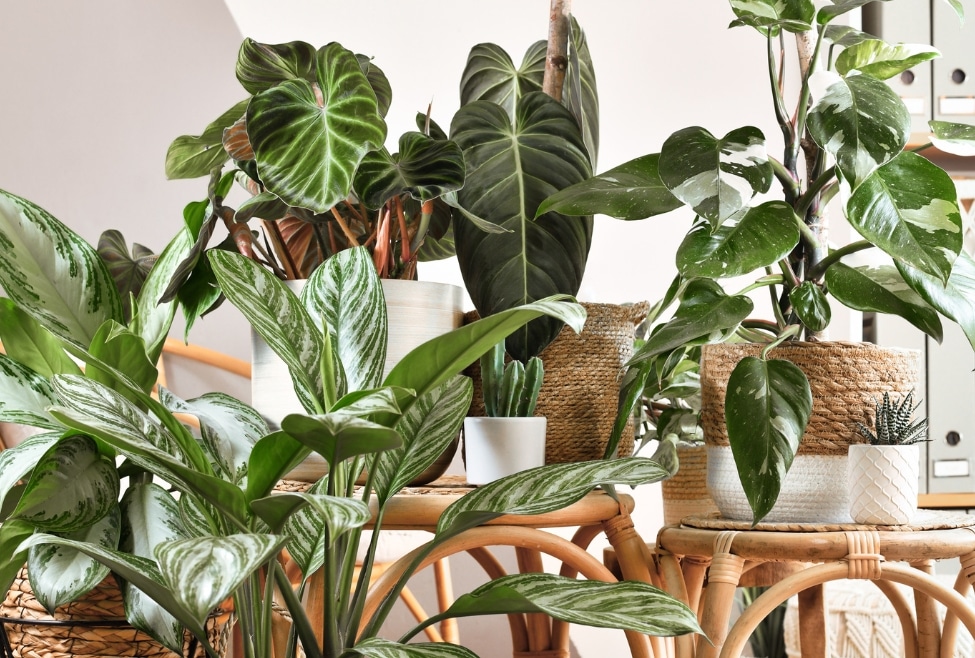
<point x="928" y="620"/>
<point x="904" y="613"/>
<point x="963" y="582"/>
<point x="674" y="584"/>
<point x="723" y="577"/>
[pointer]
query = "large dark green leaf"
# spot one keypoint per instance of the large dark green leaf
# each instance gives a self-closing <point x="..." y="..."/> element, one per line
<point x="954" y="138"/>
<point x="767" y="408"/>
<point x="510" y="171"/>
<point x="955" y="300"/>
<point x="579" y="89"/>
<point x="425" y="168"/>
<point x="490" y="75"/>
<point x="715" y="177"/>
<point x="862" y="123"/>
<point x="192" y="156"/>
<point x="810" y="305"/>
<point x="882" y="290"/>
<point x="881" y="60"/>
<point x="763" y="235"/>
<point x="770" y="16"/>
<point x="909" y="208"/>
<point x="308" y="140"/>
<point x="261" y="66"/>
<point x="632" y="190"/>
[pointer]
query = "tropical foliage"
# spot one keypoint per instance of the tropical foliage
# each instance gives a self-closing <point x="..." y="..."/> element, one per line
<point x="185" y="520"/>
<point x="846" y="135"/>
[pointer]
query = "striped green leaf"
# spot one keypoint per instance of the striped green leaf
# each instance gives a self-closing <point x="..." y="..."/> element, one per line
<point x="363" y="404"/>
<point x="862" y="123"/>
<point x="427" y="429"/>
<point x="346" y="292"/>
<point x="198" y="519"/>
<point x="628" y="605"/>
<point x="17" y="462"/>
<point x="337" y="437"/>
<point x="52" y="273"/>
<point x="25" y="396"/>
<point x="380" y="648"/>
<point x="331" y="517"/>
<point x="72" y="487"/>
<point x="27" y="342"/>
<point x="59" y="575"/>
<point x="544" y="489"/>
<point x="151" y="319"/>
<point x="203" y="571"/>
<point x="309" y="138"/>
<point x="278" y="316"/>
<point x="306" y="533"/>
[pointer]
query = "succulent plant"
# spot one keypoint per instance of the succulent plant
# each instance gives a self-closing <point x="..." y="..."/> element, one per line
<point x="893" y="423"/>
<point x="510" y="390"/>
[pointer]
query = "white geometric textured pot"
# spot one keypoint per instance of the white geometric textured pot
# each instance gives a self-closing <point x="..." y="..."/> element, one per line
<point x="814" y="490"/>
<point x="883" y="483"/>
<point x="495" y="447"/>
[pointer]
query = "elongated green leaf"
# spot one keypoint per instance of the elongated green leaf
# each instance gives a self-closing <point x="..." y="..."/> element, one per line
<point x="882" y="290"/>
<point x="272" y="457"/>
<point x="27" y="342"/>
<point x="954" y="138"/>
<point x="346" y="293"/>
<point x="339" y="515"/>
<point x="204" y="571"/>
<point x="141" y="572"/>
<point x="511" y="169"/>
<point x="307" y="535"/>
<point x="761" y="236"/>
<point x="59" y="575"/>
<point x="18" y="461"/>
<point x="71" y="487"/>
<point x="490" y="75"/>
<point x="260" y="66"/>
<point x="881" y="60"/>
<point x="862" y="123"/>
<point x="544" y="489"/>
<point x="715" y="177"/>
<point x="427" y="429"/>
<point x="604" y="605"/>
<point x="959" y="9"/>
<point x="52" y="273"/>
<point x="277" y="315"/>
<point x="955" y="300"/>
<point x="193" y="156"/>
<point x="308" y="139"/>
<point x="379" y="648"/>
<point x="118" y="347"/>
<point x="25" y="396"/>
<point x="424" y="167"/>
<point x="810" y="305"/>
<point x="12" y="534"/>
<point x="337" y="437"/>
<point x="151" y="319"/>
<point x="632" y="190"/>
<point x="909" y="208"/>
<point x="579" y="92"/>
<point x="767" y="408"/>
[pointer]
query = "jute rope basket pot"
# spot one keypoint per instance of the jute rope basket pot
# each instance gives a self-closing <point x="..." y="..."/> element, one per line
<point x="580" y="391"/>
<point x="686" y="492"/>
<point x="92" y="627"/>
<point x="846" y="380"/>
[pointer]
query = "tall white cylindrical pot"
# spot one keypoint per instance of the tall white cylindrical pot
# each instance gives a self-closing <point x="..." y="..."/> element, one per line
<point x="883" y="482"/>
<point x="498" y="447"/>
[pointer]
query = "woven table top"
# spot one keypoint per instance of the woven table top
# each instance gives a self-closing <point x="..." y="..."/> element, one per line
<point x="924" y="520"/>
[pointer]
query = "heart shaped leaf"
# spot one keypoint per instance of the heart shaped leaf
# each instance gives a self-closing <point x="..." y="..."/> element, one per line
<point x="261" y="66"/>
<point x="810" y="305"/>
<point x="424" y="167"/>
<point x="490" y="75"/>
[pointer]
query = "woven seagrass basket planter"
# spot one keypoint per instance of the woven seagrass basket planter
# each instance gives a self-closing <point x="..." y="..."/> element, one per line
<point x="846" y="380"/>
<point x="686" y="492"/>
<point x="580" y="391"/>
<point x="92" y="627"/>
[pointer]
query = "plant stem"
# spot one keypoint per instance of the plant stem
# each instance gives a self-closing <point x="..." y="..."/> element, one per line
<point x="820" y="269"/>
<point x="809" y="196"/>
<point x="556" y="56"/>
<point x="789" y="332"/>
<point x="790" y="186"/>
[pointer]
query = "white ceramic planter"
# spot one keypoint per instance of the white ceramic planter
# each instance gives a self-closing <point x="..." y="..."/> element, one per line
<point x="497" y="447"/>
<point x="883" y="482"/>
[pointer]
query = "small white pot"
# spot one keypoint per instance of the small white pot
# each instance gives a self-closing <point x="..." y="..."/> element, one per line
<point x="883" y="483"/>
<point x="497" y="447"/>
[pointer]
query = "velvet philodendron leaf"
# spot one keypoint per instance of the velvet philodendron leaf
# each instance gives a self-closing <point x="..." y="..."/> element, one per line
<point x="882" y="289"/>
<point x="490" y="75"/>
<point x="861" y="122"/>
<point x="761" y="236"/>
<point x="261" y="66"/>
<point x="632" y="190"/>
<point x="53" y="274"/>
<point x="767" y="408"/>
<point x="909" y="208"/>
<point x="770" y="16"/>
<point x="881" y="60"/>
<point x="715" y="177"/>
<point x="956" y="300"/>
<point x="579" y="91"/>
<point x="192" y="156"/>
<point x="308" y="138"/>
<point x="510" y="170"/>
<point x="378" y="81"/>
<point x="128" y="270"/>
<point x="424" y="167"/>
<point x="810" y="305"/>
<point x="954" y="138"/>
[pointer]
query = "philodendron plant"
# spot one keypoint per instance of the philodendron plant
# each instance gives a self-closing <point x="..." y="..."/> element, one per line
<point x="846" y="134"/>
<point x="198" y="522"/>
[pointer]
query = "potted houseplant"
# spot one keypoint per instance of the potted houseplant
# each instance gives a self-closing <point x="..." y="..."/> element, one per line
<point x="216" y="499"/>
<point x="509" y="438"/>
<point x="884" y="472"/>
<point x="845" y="135"/>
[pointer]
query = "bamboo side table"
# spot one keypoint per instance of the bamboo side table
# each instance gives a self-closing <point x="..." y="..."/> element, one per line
<point x="721" y="550"/>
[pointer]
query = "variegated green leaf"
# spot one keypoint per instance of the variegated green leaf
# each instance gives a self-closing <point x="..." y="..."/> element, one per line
<point x="715" y="177"/>
<point x="309" y="138"/>
<point x="958" y="7"/>
<point x="754" y="239"/>
<point x="878" y="59"/>
<point x="59" y="575"/>
<point x="862" y="123"/>
<point x="278" y="316"/>
<point x="52" y="273"/>
<point x="954" y="138"/>
<point x="337" y="437"/>
<point x="379" y="648"/>
<point x="339" y="516"/>
<point x="272" y="458"/>
<point x="424" y="167"/>
<point x="770" y="16"/>
<point x="27" y="342"/>
<point x="427" y="430"/>
<point x="955" y="300"/>
<point x="882" y="290"/>
<point x="198" y="519"/>
<point x="203" y="571"/>
<point x="629" y="605"/>
<point x="18" y="461"/>
<point x="72" y="487"/>
<point x="490" y="75"/>
<point x="25" y="396"/>
<point x="810" y="305"/>
<point x="909" y="208"/>
<point x="347" y="293"/>
<point x="305" y="530"/>
<point x="544" y="489"/>
<point x="151" y="319"/>
<point x="363" y="404"/>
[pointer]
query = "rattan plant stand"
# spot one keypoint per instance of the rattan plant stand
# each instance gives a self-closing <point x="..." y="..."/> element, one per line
<point x="721" y="550"/>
